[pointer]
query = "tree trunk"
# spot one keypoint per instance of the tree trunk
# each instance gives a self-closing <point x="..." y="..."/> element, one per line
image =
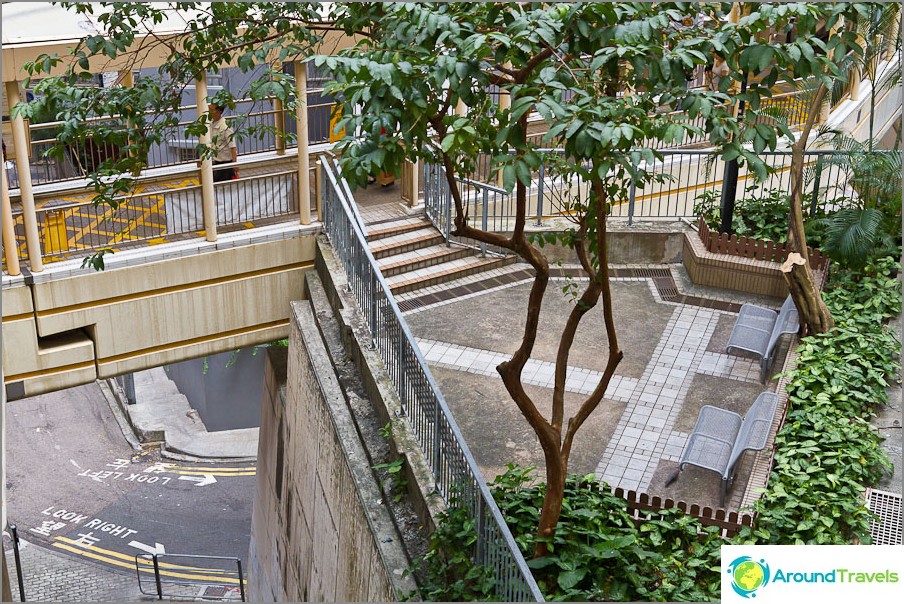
<point x="814" y="315"/>
<point x="552" y="501"/>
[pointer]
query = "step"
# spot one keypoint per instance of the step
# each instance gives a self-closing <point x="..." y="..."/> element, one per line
<point x="397" y="227"/>
<point x="442" y="273"/>
<point x="406" y="242"/>
<point x="420" y="258"/>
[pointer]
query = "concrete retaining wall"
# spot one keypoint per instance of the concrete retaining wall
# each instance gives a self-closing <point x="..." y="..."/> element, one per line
<point x="319" y="531"/>
<point x="641" y="243"/>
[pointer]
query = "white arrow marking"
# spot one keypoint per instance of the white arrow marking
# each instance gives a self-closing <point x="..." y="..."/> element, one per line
<point x="200" y="480"/>
<point x="157" y="549"/>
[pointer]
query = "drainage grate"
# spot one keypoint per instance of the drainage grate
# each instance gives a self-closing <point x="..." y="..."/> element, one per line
<point x="887" y="528"/>
<point x="666" y="287"/>
<point x="410" y="304"/>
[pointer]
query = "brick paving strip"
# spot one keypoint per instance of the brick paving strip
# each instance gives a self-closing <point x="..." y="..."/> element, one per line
<point x="53" y="577"/>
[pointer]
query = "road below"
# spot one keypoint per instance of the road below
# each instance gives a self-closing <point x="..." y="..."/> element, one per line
<point x="75" y="485"/>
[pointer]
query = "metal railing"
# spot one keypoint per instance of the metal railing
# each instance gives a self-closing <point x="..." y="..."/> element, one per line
<point x="76" y="160"/>
<point x="457" y="476"/>
<point x="85" y="226"/>
<point x="688" y="174"/>
<point x="178" y="576"/>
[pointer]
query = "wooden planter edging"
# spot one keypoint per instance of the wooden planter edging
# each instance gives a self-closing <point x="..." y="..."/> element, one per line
<point x="640" y="504"/>
<point x="745" y="247"/>
<point x="740" y="263"/>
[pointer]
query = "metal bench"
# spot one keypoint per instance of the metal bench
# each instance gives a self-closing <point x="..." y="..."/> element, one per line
<point x="758" y="330"/>
<point x="720" y="437"/>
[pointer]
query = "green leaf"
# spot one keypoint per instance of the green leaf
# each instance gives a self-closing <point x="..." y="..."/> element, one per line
<point x="569" y="578"/>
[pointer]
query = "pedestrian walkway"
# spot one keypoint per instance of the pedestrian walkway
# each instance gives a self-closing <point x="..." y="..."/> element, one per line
<point x="163" y="414"/>
<point x="56" y="577"/>
<point x="675" y="362"/>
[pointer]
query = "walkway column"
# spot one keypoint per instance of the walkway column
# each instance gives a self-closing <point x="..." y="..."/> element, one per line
<point x="891" y="35"/>
<point x="208" y="195"/>
<point x="505" y="102"/>
<point x="304" y="156"/>
<point x="127" y="80"/>
<point x="856" y="73"/>
<point x="9" y="233"/>
<point x="279" y="119"/>
<point x="20" y="142"/>
<point x="413" y="169"/>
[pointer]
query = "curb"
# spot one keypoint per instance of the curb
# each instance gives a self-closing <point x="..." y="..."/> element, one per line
<point x="116" y="399"/>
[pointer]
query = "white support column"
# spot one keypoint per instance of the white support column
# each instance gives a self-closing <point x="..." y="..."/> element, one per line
<point x="9" y="234"/>
<point x="415" y="183"/>
<point x="208" y="195"/>
<point x="20" y="141"/>
<point x="856" y="73"/>
<point x="505" y="102"/>
<point x="304" y="156"/>
<point x="279" y="119"/>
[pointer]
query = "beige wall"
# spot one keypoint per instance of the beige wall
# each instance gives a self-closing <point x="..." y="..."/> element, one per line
<point x="317" y="511"/>
<point x="67" y="331"/>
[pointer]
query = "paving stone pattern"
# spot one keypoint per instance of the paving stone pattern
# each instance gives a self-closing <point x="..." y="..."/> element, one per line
<point x="54" y="577"/>
<point x="646" y="434"/>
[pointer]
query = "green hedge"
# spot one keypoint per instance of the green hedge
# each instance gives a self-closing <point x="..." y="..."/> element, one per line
<point x="827" y="451"/>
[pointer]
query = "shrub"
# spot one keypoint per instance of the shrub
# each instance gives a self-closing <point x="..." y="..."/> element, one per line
<point x="827" y="452"/>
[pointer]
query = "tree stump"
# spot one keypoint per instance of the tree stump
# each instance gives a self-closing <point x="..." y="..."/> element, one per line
<point x="814" y="315"/>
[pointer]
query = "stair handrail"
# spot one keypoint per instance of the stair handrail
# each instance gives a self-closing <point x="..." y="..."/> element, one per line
<point x="455" y="472"/>
<point x="347" y="200"/>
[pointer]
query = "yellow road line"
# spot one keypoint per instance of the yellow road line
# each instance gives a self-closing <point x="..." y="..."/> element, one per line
<point x="212" y="473"/>
<point x="198" y="469"/>
<point x="108" y="558"/>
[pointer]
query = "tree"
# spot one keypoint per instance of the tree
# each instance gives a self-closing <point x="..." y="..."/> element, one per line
<point x="416" y="62"/>
<point x="603" y="76"/>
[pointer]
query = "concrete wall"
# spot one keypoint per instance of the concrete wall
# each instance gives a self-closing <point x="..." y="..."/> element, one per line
<point x="227" y="393"/>
<point x="151" y="306"/>
<point x="642" y="243"/>
<point x="319" y="531"/>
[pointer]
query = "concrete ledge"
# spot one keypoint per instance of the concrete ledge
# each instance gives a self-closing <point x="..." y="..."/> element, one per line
<point x="163" y="414"/>
<point x="356" y="340"/>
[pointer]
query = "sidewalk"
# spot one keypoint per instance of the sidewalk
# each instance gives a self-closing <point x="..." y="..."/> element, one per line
<point x="54" y="577"/>
<point x="162" y="414"/>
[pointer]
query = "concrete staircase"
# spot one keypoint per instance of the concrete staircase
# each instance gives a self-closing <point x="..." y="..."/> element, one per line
<point x="412" y="255"/>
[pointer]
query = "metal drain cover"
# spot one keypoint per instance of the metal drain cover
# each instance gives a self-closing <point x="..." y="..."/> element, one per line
<point x="887" y="529"/>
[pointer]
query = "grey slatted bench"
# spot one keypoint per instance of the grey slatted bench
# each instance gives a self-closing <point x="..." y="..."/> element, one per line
<point x="720" y="437"/>
<point x="758" y="330"/>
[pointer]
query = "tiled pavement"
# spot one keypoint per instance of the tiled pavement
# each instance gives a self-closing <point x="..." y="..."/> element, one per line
<point x="644" y="435"/>
<point x="55" y="577"/>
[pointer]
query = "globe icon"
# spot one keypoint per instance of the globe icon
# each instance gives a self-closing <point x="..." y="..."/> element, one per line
<point x="748" y="575"/>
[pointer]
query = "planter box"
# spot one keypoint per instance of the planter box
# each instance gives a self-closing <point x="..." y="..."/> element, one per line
<point x="731" y="272"/>
<point x="740" y="263"/>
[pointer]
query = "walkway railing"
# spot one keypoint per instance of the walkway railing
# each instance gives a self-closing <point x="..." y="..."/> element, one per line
<point x="689" y="174"/>
<point x="190" y="577"/>
<point x="76" y="227"/>
<point x="457" y="476"/>
<point x="266" y="130"/>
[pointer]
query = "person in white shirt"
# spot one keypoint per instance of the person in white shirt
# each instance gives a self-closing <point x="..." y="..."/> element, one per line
<point x="223" y="138"/>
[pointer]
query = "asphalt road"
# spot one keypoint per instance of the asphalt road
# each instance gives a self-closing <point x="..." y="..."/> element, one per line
<point x="75" y="485"/>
